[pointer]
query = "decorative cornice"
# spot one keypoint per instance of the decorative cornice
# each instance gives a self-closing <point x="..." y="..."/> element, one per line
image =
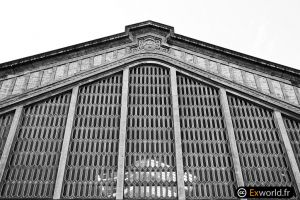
<point x="170" y="37"/>
<point x="150" y="43"/>
<point x="271" y="65"/>
<point x="138" y="58"/>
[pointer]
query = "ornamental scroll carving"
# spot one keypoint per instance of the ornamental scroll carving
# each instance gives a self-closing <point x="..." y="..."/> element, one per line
<point x="149" y="44"/>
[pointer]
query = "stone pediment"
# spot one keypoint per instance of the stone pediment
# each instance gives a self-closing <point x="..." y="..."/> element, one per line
<point x="149" y="40"/>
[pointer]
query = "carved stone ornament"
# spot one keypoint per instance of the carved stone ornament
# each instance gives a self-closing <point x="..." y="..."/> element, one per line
<point x="149" y="44"/>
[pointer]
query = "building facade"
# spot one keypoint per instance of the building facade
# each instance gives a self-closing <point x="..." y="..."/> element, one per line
<point x="147" y="114"/>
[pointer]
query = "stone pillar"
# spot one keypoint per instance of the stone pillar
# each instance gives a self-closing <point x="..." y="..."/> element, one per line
<point x="122" y="136"/>
<point x="288" y="147"/>
<point x="10" y="139"/>
<point x="231" y="137"/>
<point x="178" y="147"/>
<point x="65" y="145"/>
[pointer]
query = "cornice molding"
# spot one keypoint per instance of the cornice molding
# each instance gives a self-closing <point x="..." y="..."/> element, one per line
<point x="150" y="43"/>
<point x="171" y="36"/>
<point x="146" y="58"/>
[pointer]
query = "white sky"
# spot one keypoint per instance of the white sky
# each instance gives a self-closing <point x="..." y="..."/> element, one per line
<point x="268" y="29"/>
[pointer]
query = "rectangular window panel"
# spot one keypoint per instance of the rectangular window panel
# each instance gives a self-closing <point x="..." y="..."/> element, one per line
<point x="207" y="163"/>
<point x="5" y="123"/>
<point x="91" y="171"/>
<point x="293" y="130"/>
<point x="32" y="165"/>
<point x="262" y="154"/>
<point x="150" y="171"/>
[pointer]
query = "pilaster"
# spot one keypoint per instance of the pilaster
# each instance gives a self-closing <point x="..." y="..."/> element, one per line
<point x="10" y="139"/>
<point x="177" y="137"/>
<point x="122" y="137"/>
<point x="231" y="137"/>
<point x="288" y="147"/>
<point x="65" y="145"/>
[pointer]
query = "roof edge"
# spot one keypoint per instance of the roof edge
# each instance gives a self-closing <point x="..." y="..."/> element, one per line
<point x="60" y="51"/>
<point x="131" y="27"/>
<point x="172" y="35"/>
<point x="250" y="58"/>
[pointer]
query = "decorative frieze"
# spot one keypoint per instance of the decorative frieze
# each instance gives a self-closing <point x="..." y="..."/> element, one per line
<point x="98" y="60"/>
<point x="5" y="88"/>
<point x="109" y="56"/>
<point x="60" y="72"/>
<point x="85" y="64"/>
<point x="213" y="67"/>
<point x="47" y="76"/>
<point x="277" y="89"/>
<point x="121" y="53"/>
<point x="250" y="80"/>
<point x="224" y="70"/>
<point x="237" y="75"/>
<point x="73" y="68"/>
<point x="200" y="62"/>
<point x="234" y="73"/>
<point x="290" y="93"/>
<point x="19" y="84"/>
<point x="189" y="58"/>
<point x="264" y="85"/>
<point x="33" y="80"/>
<point x="177" y="54"/>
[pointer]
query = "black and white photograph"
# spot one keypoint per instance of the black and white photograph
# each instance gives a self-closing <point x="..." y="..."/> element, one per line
<point x="146" y="100"/>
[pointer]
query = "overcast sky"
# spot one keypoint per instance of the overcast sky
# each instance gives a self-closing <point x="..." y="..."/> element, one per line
<point x="266" y="29"/>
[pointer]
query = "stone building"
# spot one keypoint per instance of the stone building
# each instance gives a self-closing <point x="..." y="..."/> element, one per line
<point x="147" y="114"/>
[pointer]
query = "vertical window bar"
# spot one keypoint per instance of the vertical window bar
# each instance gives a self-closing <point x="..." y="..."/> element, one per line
<point x="91" y="166"/>
<point x="207" y="160"/>
<point x="33" y="160"/>
<point x="9" y="139"/>
<point x="177" y="138"/>
<point x="123" y="124"/>
<point x="232" y="140"/>
<point x="261" y="148"/>
<point x="288" y="147"/>
<point x="149" y="173"/>
<point x="65" y="145"/>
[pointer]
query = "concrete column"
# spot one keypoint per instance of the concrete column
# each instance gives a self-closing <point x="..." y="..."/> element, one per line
<point x="231" y="137"/>
<point x="10" y="139"/>
<point x="178" y="147"/>
<point x="122" y="137"/>
<point x="65" y="145"/>
<point x="288" y="147"/>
